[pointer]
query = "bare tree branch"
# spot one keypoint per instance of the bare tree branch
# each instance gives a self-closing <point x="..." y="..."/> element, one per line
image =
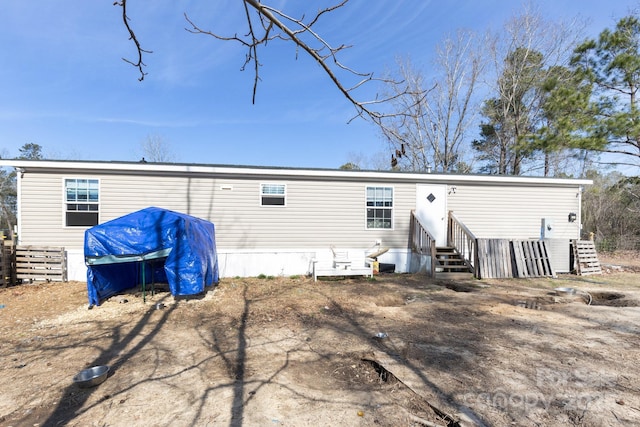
<point x="315" y="53"/>
<point x="132" y="36"/>
<point x="156" y="148"/>
<point x="432" y="129"/>
<point x="268" y="23"/>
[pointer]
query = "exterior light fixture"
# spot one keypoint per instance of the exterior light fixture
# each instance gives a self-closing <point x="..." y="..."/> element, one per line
<point x="572" y="217"/>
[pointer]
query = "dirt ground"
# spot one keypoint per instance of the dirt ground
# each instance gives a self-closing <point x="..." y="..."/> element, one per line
<point x="291" y="352"/>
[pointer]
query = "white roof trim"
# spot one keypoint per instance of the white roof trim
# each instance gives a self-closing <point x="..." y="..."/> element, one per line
<point x="284" y="172"/>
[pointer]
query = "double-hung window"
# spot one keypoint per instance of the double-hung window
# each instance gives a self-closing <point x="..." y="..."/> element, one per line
<point x="273" y="194"/>
<point x="81" y="202"/>
<point x="379" y="207"/>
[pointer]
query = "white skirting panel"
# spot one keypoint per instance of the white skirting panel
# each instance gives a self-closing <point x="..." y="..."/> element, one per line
<point x="76" y="268"/>
<point x="560" y="255"/>
<point x="276" y="262"/>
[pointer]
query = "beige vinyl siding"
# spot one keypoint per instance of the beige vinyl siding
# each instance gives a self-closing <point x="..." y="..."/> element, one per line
<point x="318" y="213"/>
<point x="515" y="211"/>
<point x="42" y="213"/>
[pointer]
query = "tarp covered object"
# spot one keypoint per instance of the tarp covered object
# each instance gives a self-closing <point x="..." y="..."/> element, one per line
<point x="154" y="244"/>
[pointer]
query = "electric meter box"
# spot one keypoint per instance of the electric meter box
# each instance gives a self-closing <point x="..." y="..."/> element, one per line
<point x="546" y="228"/>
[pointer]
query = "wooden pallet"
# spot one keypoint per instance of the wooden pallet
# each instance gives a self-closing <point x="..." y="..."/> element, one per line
<point x="531" y="259"/>
<point x="41" y="263"/>
<point x="585" y="258"/>
<point x="502" y="258"/>
<point x="5" y="268"/>
<point x="8" y="263"/>
<point x="494" y="259"/>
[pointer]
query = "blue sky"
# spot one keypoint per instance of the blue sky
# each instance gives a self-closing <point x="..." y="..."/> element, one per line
<point x="63" y="84"/>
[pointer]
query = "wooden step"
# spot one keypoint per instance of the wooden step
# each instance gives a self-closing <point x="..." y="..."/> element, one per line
<point x="466" y="275"/>
<point x="445" y="250"/>
<point x="448" y="261"/>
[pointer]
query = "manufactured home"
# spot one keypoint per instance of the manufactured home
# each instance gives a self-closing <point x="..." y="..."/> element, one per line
<point x="284" y="221"/>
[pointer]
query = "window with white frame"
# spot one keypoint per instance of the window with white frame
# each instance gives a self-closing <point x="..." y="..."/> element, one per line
<point x="81" y="202"/>
<point x="379" y="207"/>
<point x="273" y="194"/>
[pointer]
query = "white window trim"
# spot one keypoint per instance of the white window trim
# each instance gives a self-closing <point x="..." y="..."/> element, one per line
<point x="283" y="195"/>
<point x="64" y="201"/>
<point x="393" y="207"/>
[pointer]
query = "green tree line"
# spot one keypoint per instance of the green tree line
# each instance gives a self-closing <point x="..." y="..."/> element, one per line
<point x="556" y="105"/>
<point x="586" y="109"/>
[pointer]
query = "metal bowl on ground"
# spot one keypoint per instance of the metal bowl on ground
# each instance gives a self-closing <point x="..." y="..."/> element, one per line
<point x="91" y="377"/>
<point x="565" y="291"/>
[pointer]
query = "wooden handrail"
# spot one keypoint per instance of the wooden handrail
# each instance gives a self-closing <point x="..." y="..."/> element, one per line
<point x="422" y="242"/>
<point x="464" y="241"/>
<point x="465" y="230"/>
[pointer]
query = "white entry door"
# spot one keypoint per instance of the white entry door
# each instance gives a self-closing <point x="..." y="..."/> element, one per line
<point x="431" y="210"/>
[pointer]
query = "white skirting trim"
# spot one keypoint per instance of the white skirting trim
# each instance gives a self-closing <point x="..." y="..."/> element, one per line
<point x="270" y="262"/>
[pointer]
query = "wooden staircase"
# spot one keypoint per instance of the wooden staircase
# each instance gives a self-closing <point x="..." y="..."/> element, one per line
<point x="450" y="264"/>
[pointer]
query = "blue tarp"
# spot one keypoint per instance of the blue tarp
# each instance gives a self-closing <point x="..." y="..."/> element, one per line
<point x="152" y="244"/>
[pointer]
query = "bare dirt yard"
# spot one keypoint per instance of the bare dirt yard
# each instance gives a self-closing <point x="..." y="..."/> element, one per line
<point x="291" y="352"/>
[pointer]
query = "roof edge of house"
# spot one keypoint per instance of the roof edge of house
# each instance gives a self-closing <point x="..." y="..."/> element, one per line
<point x="280" y="172"/>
